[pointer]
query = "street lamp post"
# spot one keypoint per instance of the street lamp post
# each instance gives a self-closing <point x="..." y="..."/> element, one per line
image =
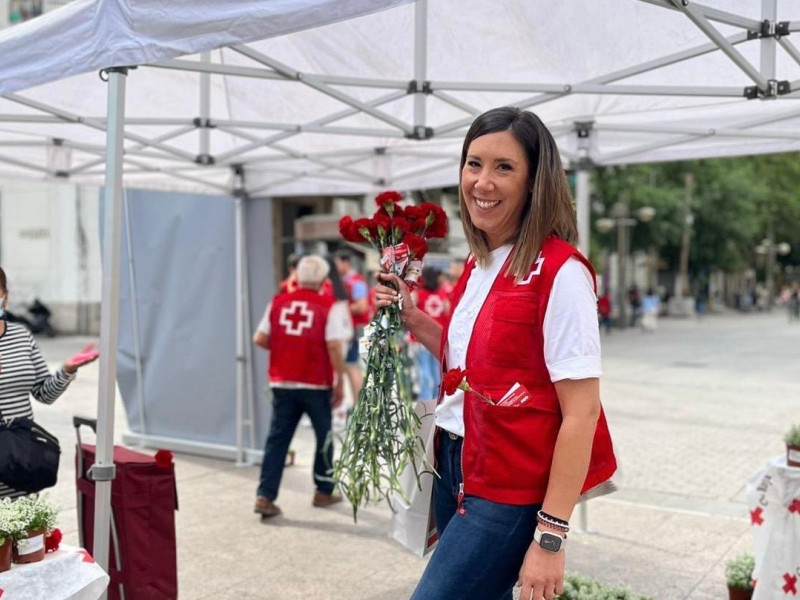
<point x="621" y="219"/>
<point x="771" y="250"/>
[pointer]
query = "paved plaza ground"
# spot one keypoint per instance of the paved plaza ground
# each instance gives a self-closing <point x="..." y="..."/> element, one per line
<point x="695" y="408"/>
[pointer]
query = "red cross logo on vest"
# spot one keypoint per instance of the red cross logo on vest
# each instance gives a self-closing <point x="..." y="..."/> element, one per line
<point x="296" y="317"/>
<point x="537" y="268"/>
<point x="794" y="507"/>
<point x="434" y="306"/>
<point x="790" y="587"/>
<point x="755" y="516"/>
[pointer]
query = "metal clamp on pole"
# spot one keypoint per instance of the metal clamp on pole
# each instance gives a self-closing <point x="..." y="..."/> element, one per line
<point x="102" y="472"/>
<point x="124" y="70"/>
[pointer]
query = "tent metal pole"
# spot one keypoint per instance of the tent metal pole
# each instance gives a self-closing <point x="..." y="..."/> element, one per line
<point x="205" y="106"/>
<point x="24" y="165"/>
<point x="162" y="138"/>
<point x="342" y="114"/>
<point x="715" y="36"/>
<point x="424" y="171"/>
<point x="319" y="173"/>
<point x="137" y="340"/>
<point x="323" y="88"/>
<point x="615" y="156"/>
<point x="769" y="45"/>
<point x="453" y="101"/>
<point x="713" y="14"/>
<point x="103" y="470"/>
<point x="791" y="50"/>
<point x="765" y="134"/>
<point x="583" y="179"/>
<point x="248" y="354"/>
<point x="240" y="339"/>
<point x="420" y="65"/>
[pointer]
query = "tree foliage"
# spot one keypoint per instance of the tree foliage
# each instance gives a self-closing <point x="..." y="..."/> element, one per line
<point x="735" y="202"/>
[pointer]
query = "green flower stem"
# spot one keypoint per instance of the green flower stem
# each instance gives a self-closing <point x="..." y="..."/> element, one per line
<point x="381" y="437"/>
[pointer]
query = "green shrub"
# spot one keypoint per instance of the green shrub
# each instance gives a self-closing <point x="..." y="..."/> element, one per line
<point x="793" y="436"/>
<point x="739" y="571"/>
<point x="580" y="587"/>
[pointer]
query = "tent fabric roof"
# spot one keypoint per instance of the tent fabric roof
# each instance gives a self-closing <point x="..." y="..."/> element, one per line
<point x="334" y="97"/>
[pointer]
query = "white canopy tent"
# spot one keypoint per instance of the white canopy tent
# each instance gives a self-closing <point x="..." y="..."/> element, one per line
<point x="332" y="97"/>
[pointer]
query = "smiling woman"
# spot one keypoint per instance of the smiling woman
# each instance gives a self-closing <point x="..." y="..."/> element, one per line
<point x="524" y="316"/>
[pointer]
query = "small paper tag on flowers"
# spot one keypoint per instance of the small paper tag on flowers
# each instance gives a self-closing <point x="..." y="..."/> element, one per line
<point x="395" y="259"/>
<point x="517" y="395"/>
<point x="413" y="273"/>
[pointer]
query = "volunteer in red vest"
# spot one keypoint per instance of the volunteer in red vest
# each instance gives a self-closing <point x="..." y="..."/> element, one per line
<point x="304" y="333"/>
<point x="433" y="302"/>
<point x="357" y="292"/>
<point x="524" y="311"/>
<point x="289" y="284"/>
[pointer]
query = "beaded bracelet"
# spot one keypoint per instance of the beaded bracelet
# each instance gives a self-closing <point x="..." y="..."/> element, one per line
<point x="551" y="521"/>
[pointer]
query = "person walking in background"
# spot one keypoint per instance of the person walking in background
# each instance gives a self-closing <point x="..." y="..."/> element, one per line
<point x="289" y="284"/>
<point x="604" y="311"/>
<point x="635" y="301"/>
<point x="433" y="302"/>
<point x="23" y="372"/>
<point x="794" y="303"/>
<point x="524" y="312"/>
<point x="303" y="332"/>
<point x="357" y="292"/>
<point x="651" y="305"/>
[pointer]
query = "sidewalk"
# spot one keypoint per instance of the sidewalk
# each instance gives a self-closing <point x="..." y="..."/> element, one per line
<point x="694" y="409"/>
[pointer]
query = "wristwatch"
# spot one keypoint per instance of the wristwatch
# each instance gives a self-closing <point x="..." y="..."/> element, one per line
<point x="552" y="542"/>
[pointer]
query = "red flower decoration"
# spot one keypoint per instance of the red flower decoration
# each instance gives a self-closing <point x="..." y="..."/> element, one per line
<point x="401" y="224"/>
<point x="417" y="245"/>
<point x="52" y="541"/>
<point x="452" y="380"/>
<point x="364" y="224"/>
<point x="163" y="459"/>
<point x="388" y="197"/>
<point x="381" y="219"/>
<point x="435" y="220"/>
<point x="348" y="231"/>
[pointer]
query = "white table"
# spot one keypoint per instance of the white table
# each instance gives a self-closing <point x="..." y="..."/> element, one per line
<point x="70" y="573"/>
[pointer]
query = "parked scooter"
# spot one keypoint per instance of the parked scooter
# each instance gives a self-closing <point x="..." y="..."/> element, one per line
<point x="37" y="319"/>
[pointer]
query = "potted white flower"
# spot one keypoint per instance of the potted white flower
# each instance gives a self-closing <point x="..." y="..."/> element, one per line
<point x="12" y="527"/>
<point x="792" y="440"/>
<point x="39" y="517"/>
<point x="739" y="575"/>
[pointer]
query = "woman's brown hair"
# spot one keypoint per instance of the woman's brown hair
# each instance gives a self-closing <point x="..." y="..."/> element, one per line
<point x="3" y="283"/>
<point x="549" y="210"/>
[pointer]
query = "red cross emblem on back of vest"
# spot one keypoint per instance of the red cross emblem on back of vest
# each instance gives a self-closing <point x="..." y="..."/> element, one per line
<point x="790" y="587"/>
<point x="434" y="306"/>
<point x="296" y="317"/>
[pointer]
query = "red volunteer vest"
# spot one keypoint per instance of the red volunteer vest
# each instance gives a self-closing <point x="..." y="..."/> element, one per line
<point x="349" y="281"/>
<point x="298" y="351"/>
<point x="507" y="451"/>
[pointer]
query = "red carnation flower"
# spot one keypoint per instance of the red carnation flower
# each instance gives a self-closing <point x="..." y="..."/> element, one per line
<point x="417" y="246"/>
<point x="400" y="223"/>
<point x="163" y="459"/>
<point x="388" y="197"/>
<point x="451" y="381"/>
<point x="435" y="220"/>
<point x="365" y="228"/>
<point x="381" y="219"/>
<point x="348" y="231"/>
<point x="52" y="541"/>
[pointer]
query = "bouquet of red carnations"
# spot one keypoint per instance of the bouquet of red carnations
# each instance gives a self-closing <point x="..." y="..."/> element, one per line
<point x="381" y="437"/>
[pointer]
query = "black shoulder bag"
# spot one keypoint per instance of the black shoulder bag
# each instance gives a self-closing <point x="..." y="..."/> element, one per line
<point x="29" y="455"/>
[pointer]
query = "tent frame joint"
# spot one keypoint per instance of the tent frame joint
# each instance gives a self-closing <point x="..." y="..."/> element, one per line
<point x="776" y="88"/>
<point x="770" y="29"/>
<point x="103" y="472"/>
<point x="104" y="73"/>
<point x="420" y="132"/>
<point x="419" y="87"/>
<point x="201" y="123"/>
<point x="61" y="174"/>
<point x="205" y="160"/>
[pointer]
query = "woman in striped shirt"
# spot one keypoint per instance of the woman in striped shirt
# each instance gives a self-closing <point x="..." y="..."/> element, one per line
<point x="23" y="373"/>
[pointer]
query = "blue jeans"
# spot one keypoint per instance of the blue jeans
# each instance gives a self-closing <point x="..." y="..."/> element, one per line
<point x="480" y="552"/>
<point x="430" y="374"/>
<point x="288" y="405"/>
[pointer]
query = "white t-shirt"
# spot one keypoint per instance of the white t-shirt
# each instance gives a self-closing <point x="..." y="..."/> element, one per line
<point x="339" y="325"/>
<point x="571" y="331"/>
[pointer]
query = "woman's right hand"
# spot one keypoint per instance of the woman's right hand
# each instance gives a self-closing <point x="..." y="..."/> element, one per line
<point x="385" y="295"/>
